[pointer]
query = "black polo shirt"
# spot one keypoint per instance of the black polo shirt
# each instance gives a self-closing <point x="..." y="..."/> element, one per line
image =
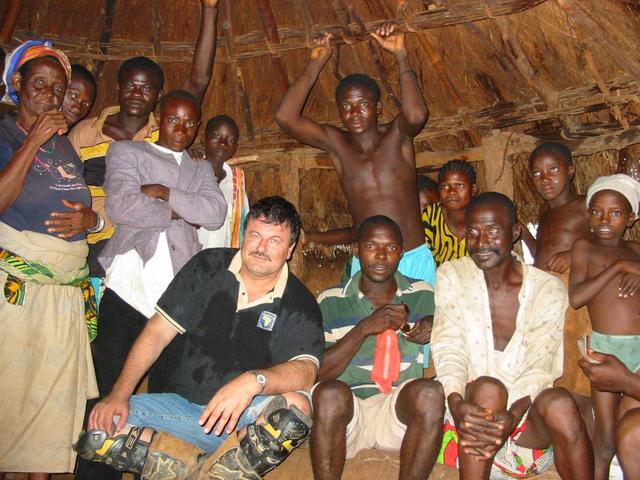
<point x="220" y="341"/>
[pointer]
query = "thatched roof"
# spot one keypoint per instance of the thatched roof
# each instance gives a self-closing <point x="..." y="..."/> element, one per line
<point x="550" y="68"/>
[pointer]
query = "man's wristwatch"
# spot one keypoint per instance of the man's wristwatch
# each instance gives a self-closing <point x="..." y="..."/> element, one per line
<point x="260" y="378"/>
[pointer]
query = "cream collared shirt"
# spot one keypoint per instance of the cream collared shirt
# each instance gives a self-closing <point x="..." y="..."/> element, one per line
<point x="462" y="336"/>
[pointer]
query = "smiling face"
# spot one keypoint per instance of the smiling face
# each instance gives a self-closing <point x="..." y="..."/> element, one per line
<point x="609" y="216"/>
<point x="41" y="89"/>
<point x="551" y="175"/>
<point x="222" y="142"/>
<point x="265" y="248"/>
<point x="78" y="99"/>
<point x="456" y="191"/>
<point x="138" y="92"/>
<point x="490" y="235"/>
<point x="179" y="122"/>
<point x="379" y="250"/>
<point x="358" y="109"/>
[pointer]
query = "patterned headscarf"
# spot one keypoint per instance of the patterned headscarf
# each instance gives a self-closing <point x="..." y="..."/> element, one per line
<point x="30" y="50"/>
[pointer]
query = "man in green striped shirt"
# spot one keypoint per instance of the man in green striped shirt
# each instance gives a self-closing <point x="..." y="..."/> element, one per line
<point x="350" y="412"/>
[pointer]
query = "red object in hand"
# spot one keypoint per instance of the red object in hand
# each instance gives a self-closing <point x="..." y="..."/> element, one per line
<point x="386" y="361"/>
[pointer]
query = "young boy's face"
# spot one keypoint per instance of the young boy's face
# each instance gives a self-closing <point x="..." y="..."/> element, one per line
<point x="609" y="215"/>
<point x="456" y="191"/>
<point x="78" y="100"/>
<point x="179" y="121"/>
<point x="358" y="109"/>
<point x="222" y="142"/>
<point x="427" y="196"/>
<point x="551" y="175"/>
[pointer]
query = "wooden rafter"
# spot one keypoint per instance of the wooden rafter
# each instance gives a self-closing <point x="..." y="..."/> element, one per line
<point x="519" y="59"/>
<point x="589" y="61"/>
<point x="236" y="72"/>
<point x="9" y="19"/>
<point x="572" y="101"/>
<point x="155" y="28"/>
<point x="455" y="97"/>
<point x="272" y="38"/>
<point x="105" y="36"/>
<point x="377" y="61"/>
<point x="602" y="37"/>
<point x="291" y="39"/>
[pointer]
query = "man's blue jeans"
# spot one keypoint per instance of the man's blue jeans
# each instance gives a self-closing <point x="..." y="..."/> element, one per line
<point x="174" y="414"/>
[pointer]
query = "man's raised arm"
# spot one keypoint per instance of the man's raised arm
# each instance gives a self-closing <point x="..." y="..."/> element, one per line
<point x="289" y="115"/>
<point x="414" y="111"/>
<point x="200" y="74"/>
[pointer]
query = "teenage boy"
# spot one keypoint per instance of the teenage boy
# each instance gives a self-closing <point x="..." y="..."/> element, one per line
<point x="562" y="220"/>
<point x="497" y="348"/>
<point x="140" y="86"/>
<point x="374" y="162"/>
<point x="605" y="276"/>
<point x="351" y="412"/>
<point x="221" y="143"/>
<point x="80" y="95"/>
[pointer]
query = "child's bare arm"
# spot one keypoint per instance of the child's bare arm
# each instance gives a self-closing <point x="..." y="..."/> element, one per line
<point x="581" y="288"/>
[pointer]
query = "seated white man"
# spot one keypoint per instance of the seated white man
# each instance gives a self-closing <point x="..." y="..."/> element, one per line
<point x="249" y="349"/>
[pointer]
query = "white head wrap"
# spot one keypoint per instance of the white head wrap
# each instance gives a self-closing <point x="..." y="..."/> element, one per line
<point x="621" y="183"/>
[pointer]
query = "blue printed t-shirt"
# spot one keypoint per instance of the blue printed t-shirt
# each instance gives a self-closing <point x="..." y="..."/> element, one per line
<point x="56" y="174"/>
<point x="345" y="306"/>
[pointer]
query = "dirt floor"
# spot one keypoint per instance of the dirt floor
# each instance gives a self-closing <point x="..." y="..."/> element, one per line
<point x="369" y="464"/>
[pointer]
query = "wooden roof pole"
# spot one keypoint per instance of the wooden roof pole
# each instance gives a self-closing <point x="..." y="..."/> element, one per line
<point x="587" y="55"/>
<point x="273" y="38"/>
<point x="236" y="72"/>
<point x="105" y="36"/>
<point x="435" y="61"/>
<point x="515" y="51"/>
<point x="348" y="36"/>
<point x="155" y="28"/>
<point x="307" y="20"/>
<point x="608" y="40"/>
<point x="9" y="20"/>
<point x="377" y="61"/>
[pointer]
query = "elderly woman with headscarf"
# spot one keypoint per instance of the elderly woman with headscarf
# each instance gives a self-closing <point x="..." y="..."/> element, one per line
<point x="46" y="372"/>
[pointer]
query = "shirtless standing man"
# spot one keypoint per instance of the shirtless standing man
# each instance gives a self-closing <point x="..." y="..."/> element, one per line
<point x="375" y="162"/>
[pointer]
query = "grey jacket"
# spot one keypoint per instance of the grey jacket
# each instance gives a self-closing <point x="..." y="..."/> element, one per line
<point x="139" y="219"/>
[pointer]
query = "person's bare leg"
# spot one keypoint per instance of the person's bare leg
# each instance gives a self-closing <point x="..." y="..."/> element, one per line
<point x="586" y="412"/>
<point x="490" y="393"/>
<point x="39" y="476"/>
<point x="605" y="405"/>
<point x="627" y="441"/>
<point x="420" y="406"/>
<point x="332" y="412"/>
<point x="554" y="418"/>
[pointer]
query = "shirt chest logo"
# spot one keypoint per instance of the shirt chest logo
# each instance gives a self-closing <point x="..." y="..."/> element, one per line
<point x="267" y="321"/>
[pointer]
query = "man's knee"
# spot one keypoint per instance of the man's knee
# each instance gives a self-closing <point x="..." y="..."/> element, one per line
<point x="488" y="392"/>
<point x="423" y="399"/>
<point x="628" y="435"/>
<point x="559" y="412"/>
<point x="300" y="400"/>
<point x="332" y="399"/>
